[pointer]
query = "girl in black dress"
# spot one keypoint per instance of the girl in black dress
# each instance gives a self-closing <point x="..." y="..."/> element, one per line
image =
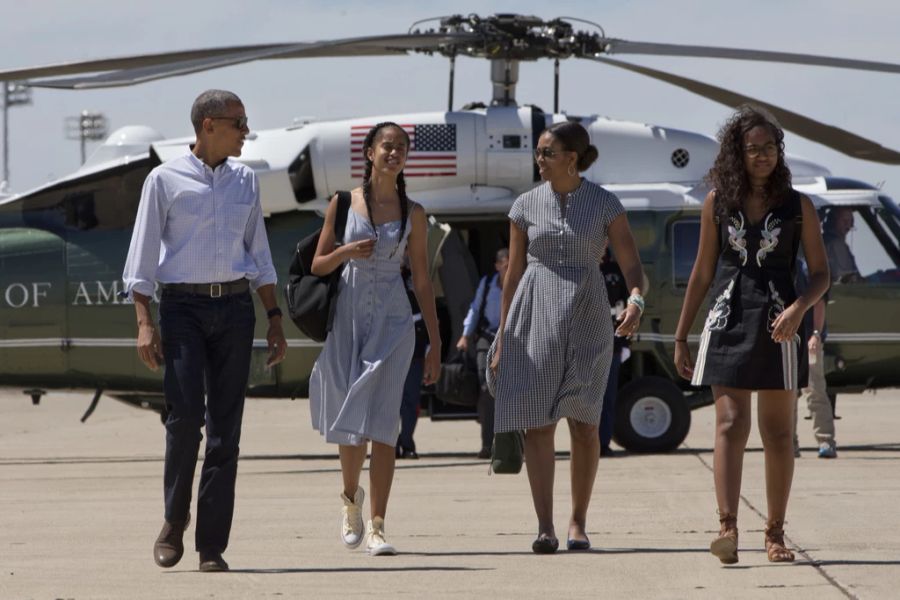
<point x="750" y="229"/>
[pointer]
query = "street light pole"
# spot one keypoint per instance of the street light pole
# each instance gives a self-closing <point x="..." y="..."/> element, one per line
<point x="86" y="126"/>
<point x="14" y="94"/>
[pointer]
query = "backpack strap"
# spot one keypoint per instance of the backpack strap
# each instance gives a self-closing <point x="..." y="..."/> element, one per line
<point x="340" y="223"/>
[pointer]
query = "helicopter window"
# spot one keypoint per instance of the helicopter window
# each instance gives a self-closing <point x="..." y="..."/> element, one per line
<point x="889" y="223"/>
<point x="107" y="200"/>
<point x="512" y="141"/>
<point x="854" y="237"/>
<point x="685" y="240"/>
<point x="301" y="176"/>
<point x="43" y="211"/>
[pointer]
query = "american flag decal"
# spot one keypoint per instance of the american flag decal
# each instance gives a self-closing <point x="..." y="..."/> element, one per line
<point x="432" y="150"/>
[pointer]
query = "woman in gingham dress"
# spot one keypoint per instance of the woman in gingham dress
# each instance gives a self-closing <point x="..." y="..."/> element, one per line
<point x="552" y="354"/>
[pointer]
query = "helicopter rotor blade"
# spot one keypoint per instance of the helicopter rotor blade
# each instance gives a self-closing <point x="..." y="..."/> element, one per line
<point x="124" y="62"/>
<point x="616" y="46"/>
<point x="143" y="68"/>
<point x="833" y="137"/>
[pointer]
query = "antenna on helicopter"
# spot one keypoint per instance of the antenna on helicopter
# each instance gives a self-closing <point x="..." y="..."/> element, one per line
<point x="452" y="71"/>
<point x="555" y="86"/>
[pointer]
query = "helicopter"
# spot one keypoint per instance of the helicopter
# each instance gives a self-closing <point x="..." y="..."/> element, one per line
<point x="63" y="323"/>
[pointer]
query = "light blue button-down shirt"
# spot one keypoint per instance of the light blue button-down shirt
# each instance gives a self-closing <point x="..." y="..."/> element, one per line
<point x="491" y="307"/>
<point x="198" y="225"/>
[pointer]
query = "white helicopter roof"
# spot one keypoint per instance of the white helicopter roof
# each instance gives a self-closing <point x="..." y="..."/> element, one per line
<point x="270" y="152"/>
<point x="125" y="144"/>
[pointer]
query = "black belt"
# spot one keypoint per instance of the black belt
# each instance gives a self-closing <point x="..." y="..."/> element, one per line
<point x="211" y="290"/>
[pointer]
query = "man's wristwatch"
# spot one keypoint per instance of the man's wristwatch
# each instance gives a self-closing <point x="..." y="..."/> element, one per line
<point x="817" y="333"/>
<point x="274" y="312"/>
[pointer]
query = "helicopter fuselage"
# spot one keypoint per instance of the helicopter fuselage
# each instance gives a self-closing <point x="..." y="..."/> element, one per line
<point x="63" y="246"/>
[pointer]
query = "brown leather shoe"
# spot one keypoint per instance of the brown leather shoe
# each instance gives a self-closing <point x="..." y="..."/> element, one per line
<point x="169" y="548"/>
<point x="212" y="562"/>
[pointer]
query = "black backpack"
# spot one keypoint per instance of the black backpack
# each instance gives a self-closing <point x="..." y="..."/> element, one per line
<point x="311" y="299"/>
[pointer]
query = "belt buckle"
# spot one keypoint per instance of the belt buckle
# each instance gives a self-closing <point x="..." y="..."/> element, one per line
<point x="215" y="290"/>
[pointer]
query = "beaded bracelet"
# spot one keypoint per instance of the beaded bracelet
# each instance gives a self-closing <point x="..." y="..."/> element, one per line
<point x="638" y="301"/>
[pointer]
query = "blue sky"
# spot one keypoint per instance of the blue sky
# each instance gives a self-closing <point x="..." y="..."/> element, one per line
<point x="275" y="92"/>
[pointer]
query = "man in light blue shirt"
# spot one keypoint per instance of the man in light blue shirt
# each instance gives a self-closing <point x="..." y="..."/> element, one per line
<point x="200" y="237"/>
<point x="480" y="326"/>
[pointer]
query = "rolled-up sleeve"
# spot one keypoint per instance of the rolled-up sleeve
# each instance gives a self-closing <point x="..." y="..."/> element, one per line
<point x="257" y="243"/>
<point x="143" y="253"/>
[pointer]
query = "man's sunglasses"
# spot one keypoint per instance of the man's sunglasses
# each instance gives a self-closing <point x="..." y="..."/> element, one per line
<point x="238" y="122"/>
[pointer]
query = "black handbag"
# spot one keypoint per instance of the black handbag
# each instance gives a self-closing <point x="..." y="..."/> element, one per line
<point x="508" y="452"/>
<point x="458" y="383"/>
<point x="310" y="298"/>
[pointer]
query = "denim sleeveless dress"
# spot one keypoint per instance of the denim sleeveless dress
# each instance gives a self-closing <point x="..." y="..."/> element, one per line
<point x="356" y="385"/>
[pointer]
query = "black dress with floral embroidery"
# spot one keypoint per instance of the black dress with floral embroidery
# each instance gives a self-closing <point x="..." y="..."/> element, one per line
<point x="754" y="283"/>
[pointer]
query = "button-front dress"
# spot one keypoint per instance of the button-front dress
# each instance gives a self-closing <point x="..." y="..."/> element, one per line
<point x="754" y="283"/>
<point x="356" y="385"/>
<point x="558" y="337"/>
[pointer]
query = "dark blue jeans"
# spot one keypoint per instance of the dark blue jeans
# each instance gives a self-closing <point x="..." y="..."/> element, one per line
<point x="608" y="413"/>
<point x="207" y="344"/>
<point x="409" y="407"/>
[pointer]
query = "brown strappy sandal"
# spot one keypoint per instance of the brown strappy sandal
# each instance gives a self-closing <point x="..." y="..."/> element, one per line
<point x="725" y="546"/>
<point x="775" y="547"/>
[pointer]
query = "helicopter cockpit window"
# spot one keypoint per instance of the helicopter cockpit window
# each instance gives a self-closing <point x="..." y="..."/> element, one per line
<point x="891" y="225"/>
<point x="301" y="175"/>
<point x="685" y="241"/>
<point x="106" y="201"/>
<point x="858" y="245"/>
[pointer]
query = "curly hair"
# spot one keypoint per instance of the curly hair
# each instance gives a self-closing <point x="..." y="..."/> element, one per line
<point x="401" y="180"/>
<point x="728" y="175"/>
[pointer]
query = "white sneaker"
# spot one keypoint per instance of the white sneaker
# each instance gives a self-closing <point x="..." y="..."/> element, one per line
<point x="375" y="542"/>
<point x="351" y="519"/>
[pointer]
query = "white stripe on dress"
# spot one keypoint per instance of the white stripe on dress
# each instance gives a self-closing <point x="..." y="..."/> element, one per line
<point x="789" y="363"/>
<point x="700" y="365"/>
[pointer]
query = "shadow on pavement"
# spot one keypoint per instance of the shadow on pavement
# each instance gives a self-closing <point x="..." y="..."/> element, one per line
<point x="341" y="569"/>
<point x="566" y="552"/>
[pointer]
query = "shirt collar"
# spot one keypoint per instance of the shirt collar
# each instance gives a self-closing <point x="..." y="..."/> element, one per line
<point x="204" y="168"/>
<point x="574" y="193"/>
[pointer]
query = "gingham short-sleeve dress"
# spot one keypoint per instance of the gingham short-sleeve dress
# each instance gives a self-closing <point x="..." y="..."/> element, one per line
<point x="558" y="337"/>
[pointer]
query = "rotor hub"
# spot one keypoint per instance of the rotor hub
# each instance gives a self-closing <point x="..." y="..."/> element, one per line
<point x="520" y="37"/>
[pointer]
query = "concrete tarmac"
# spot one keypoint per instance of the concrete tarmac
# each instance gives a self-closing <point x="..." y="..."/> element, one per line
<point x="81" y="504"/>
